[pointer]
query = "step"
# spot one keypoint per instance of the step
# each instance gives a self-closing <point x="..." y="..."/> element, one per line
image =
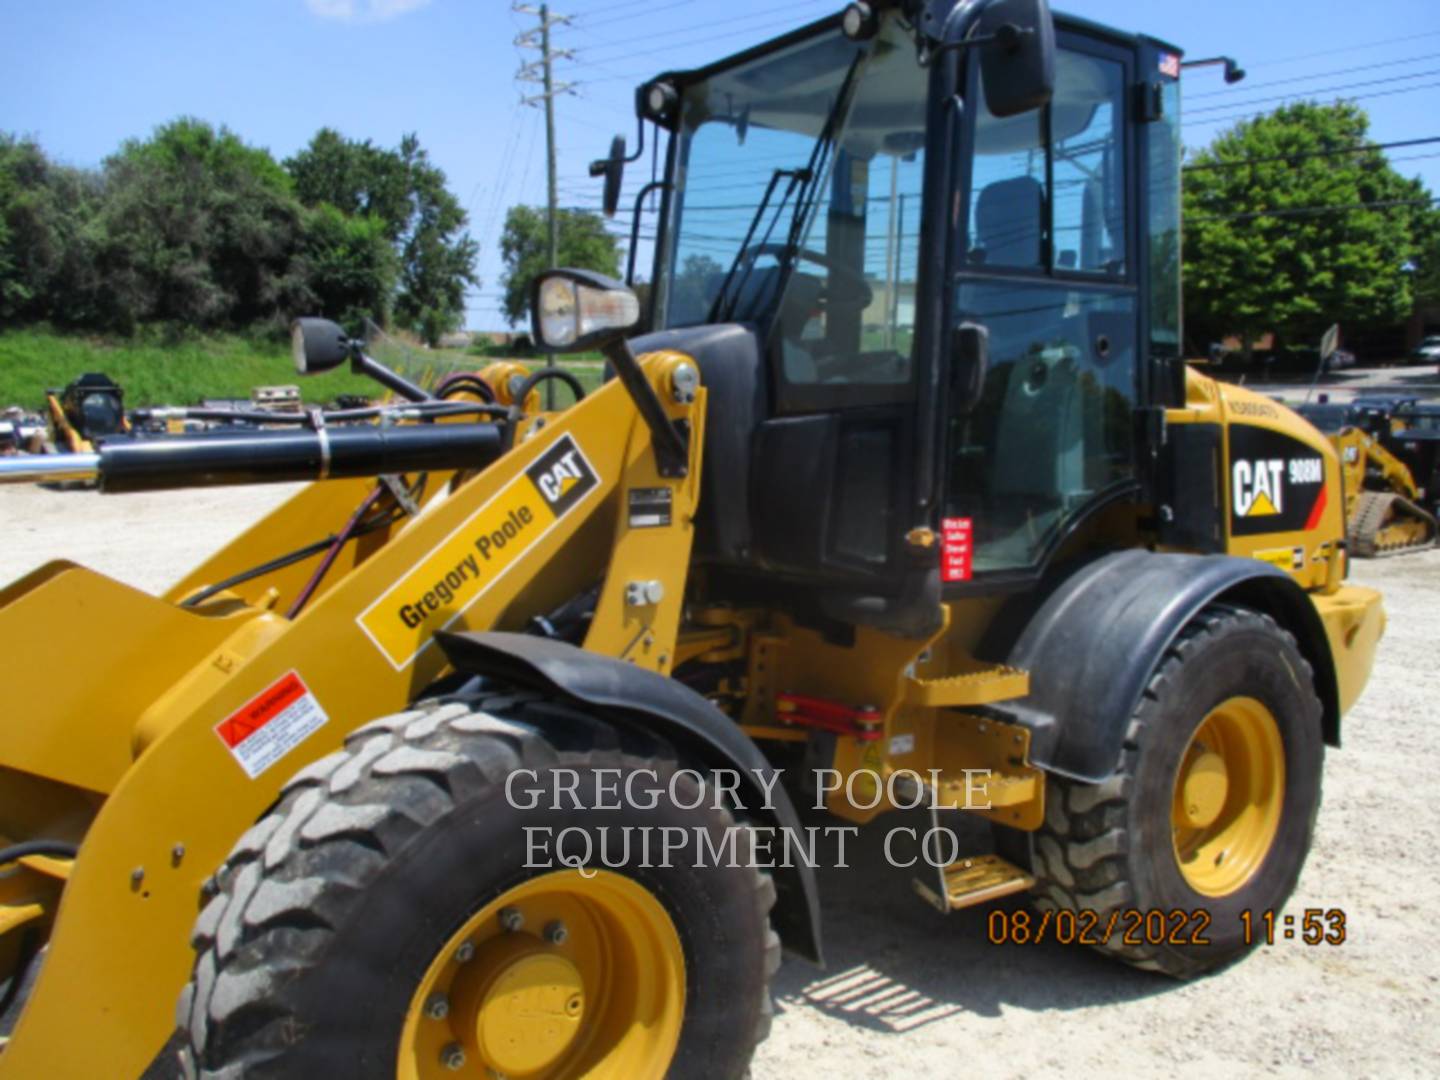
<point x="974" y="880"/>
<point x="980" y="684"/>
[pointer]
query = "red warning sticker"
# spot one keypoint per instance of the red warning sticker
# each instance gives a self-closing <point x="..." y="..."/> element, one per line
<point x="956" y="547"/>
<point x="271" y="724"/>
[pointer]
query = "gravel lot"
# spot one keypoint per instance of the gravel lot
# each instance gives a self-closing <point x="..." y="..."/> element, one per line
<point x="908" y="990"/>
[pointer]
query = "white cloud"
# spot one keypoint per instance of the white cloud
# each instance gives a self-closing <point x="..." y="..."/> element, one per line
<point x="363" y="10"/>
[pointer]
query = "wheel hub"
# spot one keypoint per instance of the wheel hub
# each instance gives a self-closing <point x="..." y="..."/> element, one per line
<point x="1203" y="789"/>
<point x="523" y="1009"/>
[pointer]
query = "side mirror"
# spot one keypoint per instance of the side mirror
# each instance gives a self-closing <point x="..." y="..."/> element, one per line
<point x="1017" y="63"/>
<point x="319" y="345"/>
<point x="969" y="361"/>
<point x="576" y="310"/>
<point x="612" y="168"/>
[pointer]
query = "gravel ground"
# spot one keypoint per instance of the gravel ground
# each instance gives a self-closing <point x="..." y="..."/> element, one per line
<point x="910" y="990"/>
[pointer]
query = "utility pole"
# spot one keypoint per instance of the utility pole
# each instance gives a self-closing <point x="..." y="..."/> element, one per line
<point x="542" y="72"/>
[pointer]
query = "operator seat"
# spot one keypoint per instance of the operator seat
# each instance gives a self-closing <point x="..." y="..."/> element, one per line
<point x="1008" y="214"/>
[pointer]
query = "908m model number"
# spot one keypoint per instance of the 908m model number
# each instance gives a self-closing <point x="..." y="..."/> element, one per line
<point x="1306" y="470"/>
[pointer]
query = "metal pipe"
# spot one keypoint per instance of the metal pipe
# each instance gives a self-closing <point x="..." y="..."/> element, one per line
<point x="48" y="468"/>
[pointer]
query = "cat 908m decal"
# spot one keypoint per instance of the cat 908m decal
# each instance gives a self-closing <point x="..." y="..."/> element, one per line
<point x="1277" y="484"/>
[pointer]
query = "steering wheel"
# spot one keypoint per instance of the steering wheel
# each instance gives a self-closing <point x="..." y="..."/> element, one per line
<point x="852" y="283"/>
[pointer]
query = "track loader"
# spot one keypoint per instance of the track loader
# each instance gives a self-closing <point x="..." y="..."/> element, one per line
<point x="485" y="754"/>
<point x="1386" y="511"/>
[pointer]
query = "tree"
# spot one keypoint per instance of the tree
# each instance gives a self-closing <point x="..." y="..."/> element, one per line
<point x="583" y="245"/>
<point x="1279" y="238"/>
<point x="348" y="266"/>
<point x="406" y="195"/>
<point x="47" y="237"/>
<point x="198" y="230"/>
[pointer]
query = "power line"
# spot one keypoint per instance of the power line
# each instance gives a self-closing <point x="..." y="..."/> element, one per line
<point x="1315" y="92"/>
<point x="1249" y="115"/>
<point x="1312" y="210"/>
<point x="1249" y="86"/>
<point x="1242" y="162"/>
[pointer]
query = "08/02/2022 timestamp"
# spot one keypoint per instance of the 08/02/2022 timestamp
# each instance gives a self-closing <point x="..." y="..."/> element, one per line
<point x="1314" y="926"/>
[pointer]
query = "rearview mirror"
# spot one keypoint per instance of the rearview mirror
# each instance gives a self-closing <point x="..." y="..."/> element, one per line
<point x="1017" y="64"/>
<point x="969" y="361"/>
<point x="612" y="168"/>
<point x="319" y="345"/>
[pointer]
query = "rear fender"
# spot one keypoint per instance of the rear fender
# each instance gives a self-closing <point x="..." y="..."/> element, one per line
<point x="1098" y="634"/>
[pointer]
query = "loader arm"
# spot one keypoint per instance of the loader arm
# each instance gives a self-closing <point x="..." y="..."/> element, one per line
<point x="251" y="697"/>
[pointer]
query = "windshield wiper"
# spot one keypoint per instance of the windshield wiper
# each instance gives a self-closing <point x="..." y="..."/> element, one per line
<point x="776" y="176"/>
<point x="807" y="180"/>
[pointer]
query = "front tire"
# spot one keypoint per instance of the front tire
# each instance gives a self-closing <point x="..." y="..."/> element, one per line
<point x="381" y="922"/>
<point x="1210" y="811"/>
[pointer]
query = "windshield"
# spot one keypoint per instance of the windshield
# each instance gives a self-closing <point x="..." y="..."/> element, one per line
<point x="797" y="203"/>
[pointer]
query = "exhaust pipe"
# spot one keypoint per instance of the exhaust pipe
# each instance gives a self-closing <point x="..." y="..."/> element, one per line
<point x="264" y="457"/>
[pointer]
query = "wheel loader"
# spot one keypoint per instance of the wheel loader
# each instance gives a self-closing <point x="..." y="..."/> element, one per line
<point x="486" y="753"/>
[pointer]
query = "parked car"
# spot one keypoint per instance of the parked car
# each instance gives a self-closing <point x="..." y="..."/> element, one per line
<point x="1428" y="351"/>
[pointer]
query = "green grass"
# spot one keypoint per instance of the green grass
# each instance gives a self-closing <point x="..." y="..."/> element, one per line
<point x="155" y="373"/>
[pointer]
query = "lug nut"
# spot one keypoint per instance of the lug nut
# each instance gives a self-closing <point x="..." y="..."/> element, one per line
<point x="511" y="919"/>
<point x="453" y="1057"/>
<point x="438" y="1007"/>
<point x="555" y="933"/>
<point x="465" y="953"/>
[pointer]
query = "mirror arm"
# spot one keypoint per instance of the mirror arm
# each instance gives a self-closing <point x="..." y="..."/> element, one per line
<point x="672" y="447"/>
<point x="639" y="139"/>
<point x="391" y="380"/>
<point x="654" y="185"/>
<point x="1009" y="35"/>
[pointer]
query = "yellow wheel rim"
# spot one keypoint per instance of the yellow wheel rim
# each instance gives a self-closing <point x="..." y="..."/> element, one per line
<point x="1229" y="789"/>
<point x="561" y="976"/>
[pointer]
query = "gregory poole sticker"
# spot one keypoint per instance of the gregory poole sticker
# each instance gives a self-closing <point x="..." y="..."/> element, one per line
<point x="457" y="571"/>
<point x="271" y="724"/>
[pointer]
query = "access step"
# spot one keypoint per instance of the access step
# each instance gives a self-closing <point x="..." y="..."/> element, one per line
<point x="978" y="684"/>
<point x="975" y="880"/>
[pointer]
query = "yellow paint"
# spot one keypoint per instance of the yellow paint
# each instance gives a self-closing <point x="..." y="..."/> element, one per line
<point x="605" y="1003"/>
<point x="1227" y="797"/>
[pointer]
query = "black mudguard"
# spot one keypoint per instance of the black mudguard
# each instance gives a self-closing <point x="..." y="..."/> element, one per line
<point x="1098" y="633"/>
<point x="673" y="711"/>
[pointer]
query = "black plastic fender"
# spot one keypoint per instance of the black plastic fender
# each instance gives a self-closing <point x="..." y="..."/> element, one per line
<point x="1099" y="632"/>
<point x="672" y="710"/>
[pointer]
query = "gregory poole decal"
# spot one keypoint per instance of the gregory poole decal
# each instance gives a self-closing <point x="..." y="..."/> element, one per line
<point x="456" y="572"/>
<point x="1277" y="484"/>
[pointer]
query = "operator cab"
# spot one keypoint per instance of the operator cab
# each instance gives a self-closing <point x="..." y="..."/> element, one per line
<point x="919" y="313"/>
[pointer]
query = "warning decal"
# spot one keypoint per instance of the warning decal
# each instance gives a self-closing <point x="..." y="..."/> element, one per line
<point x="271" y="724"/>
<point x="956" y="548"/>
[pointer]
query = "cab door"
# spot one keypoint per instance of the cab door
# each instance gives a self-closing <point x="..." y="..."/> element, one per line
<point x="1045" y="260"/>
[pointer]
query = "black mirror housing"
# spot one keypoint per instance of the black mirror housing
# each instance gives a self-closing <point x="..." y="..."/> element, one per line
<point x="319" y="345"/>
<point x="614" y="175"/>
<point x="1018" y="64"/>
<point x="969" y="361"/>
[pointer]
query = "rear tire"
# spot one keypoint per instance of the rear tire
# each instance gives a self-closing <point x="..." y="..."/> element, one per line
<point x="333" y="911"/>
<point x="1118" y="849"/>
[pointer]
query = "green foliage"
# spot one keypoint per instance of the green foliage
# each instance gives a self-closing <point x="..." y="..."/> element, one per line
<point x="349" y="266"/>
<point x="405" y="193"/>
<point x="583" y="245"/>
<point x="154" y="371"/>
<point x="196" y="231"/>
<point x="1298" y="271"/>
<point x="47" y="239"/>
<point x="199" y="230"/>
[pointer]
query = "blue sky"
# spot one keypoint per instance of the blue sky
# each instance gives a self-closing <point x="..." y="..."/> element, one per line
<point x="83" y="75"/>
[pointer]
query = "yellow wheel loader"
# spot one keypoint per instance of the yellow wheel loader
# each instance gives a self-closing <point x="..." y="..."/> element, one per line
<point x="485" y="754"/>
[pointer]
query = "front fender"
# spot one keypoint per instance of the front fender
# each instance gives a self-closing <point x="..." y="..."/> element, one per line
<point x="670" y="709"/>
